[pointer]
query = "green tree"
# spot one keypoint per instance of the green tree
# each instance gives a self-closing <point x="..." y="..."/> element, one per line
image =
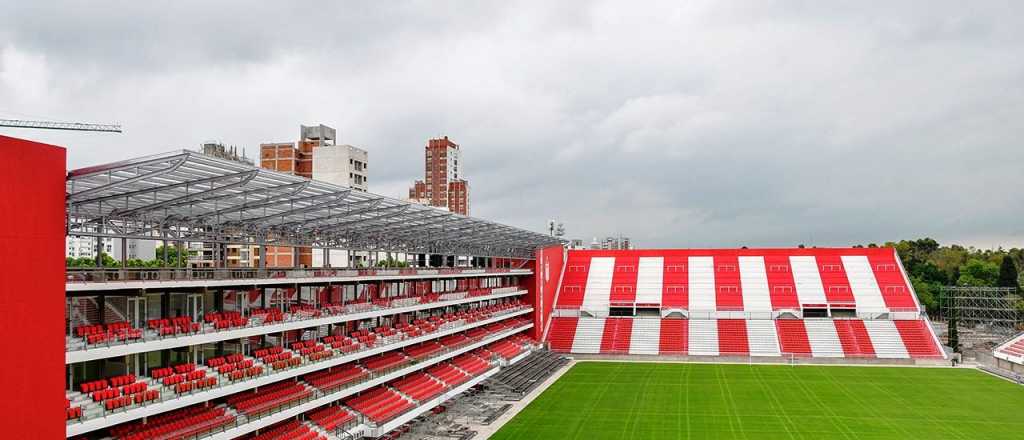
<point x="978" y="273"/>
<point x="173" y="259"/>
<point x="390" y="262"/>
<point x="926" y="293"/>
<point x="1008" y="274"/>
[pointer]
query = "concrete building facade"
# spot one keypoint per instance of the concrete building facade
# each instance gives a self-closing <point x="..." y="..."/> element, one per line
<point x="314" y="156"/>
<point x="342" y="165"/>
<point x="85" y="247"/>
<point x="612" y="243"/>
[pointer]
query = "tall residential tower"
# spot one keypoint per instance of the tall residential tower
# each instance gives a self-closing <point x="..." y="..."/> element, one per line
<point x="442" y="185"/>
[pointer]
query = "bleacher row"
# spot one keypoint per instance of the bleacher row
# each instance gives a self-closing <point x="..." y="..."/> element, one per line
<point x="819" y="338"/>
<point x="376" y="405"/>
<point x="96" y="398"/>
<point x="747" y="280"/>
<point x="86" y="335"/>
<point x="268" y="398"/>
<point x="1011" y="350"/>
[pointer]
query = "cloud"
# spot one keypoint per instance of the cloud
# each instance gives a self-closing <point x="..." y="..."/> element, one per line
<point x="694" y="124"/>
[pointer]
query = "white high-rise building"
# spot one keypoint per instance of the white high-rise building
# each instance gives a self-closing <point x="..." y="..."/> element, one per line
<point x="342" y="165"/>
<point x="85" y="247"/>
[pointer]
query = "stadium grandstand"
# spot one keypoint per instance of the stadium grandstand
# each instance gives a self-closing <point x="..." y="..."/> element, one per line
<point x="482" y="319"/>
<point x="261" y="352"/>
<point x="852" y="303"/>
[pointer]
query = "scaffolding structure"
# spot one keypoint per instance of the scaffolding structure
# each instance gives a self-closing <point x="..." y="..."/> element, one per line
<point x="990" y="307"/>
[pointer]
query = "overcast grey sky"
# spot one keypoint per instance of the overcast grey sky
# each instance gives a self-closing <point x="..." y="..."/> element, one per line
<point x="703" y="123"/>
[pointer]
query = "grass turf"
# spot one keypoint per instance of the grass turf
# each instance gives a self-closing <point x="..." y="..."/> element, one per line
<point x="620" y="400"/>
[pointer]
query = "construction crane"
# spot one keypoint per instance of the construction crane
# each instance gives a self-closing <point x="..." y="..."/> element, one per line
<point x="49" y="125"/>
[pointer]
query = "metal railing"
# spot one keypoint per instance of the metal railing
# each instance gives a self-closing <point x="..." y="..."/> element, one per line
<point x="168" y="394"/>
<point x="115" y="274"/>
<point x="338" y="390"/>
<point x="569" y="311"/>
<point x="254" y="321"/>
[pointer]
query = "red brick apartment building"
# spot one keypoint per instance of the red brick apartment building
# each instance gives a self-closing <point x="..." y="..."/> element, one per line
<point x="442" y="185"/>
<point x="292" y="158"/>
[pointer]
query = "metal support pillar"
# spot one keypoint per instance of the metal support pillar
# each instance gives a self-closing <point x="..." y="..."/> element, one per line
<point x="179" y="260"/>
<point x="263" y="256"/>
<point x="99" y="251"/>
<point x="101" y="304"/>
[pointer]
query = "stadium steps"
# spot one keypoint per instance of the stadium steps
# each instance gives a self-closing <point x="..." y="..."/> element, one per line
<point x="890" y="279"/>
<point x="762" y="337"/>
<point x="863" y="284"/>
<point x="703" y="337"/>
<point x="917" y="338"/>
<point x="728" y="291"/>
<point x="675" y="279"/>
<point x="701" y="272"/>
<point x="854" y="338"/>
<point x="821" y="334"/>
<point x="674" y="337"/>
<point x="780" y="282"/>
<point x="649" y="275"/>
<point x="562" y="333"/>
<point x="807" y="280"/>
<point x="323" y="434"/>
<point x="645" y="336"/>
<point x="617" y="334"/>
<point x="834" y="280"/>
<point x="732" y="337"/>
<point x="599" y="286"/>
<point x="886" y="339"/>
<point x="577" y="269"/>
<point x="525" y="375"/>
<point x="611" y="325"/>
<point x="588" y="335"/>
<point x="793" y="337"/>
<point x="1012" y="350"/>
<point x="624" y="278"/>
<point x="754" y="282"/>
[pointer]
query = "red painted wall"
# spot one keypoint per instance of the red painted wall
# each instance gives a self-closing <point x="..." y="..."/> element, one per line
<point x="32" y="289"/>
<point x="547" y="269"/>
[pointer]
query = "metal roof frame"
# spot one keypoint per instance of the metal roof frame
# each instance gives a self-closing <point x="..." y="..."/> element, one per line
<point x="188" y="196"/>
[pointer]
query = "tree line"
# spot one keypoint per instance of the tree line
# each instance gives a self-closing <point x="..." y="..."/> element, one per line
<point x="931" y="266"/>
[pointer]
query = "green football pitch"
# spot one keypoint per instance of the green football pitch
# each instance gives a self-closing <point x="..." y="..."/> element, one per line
<point x="620" y="400"/>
